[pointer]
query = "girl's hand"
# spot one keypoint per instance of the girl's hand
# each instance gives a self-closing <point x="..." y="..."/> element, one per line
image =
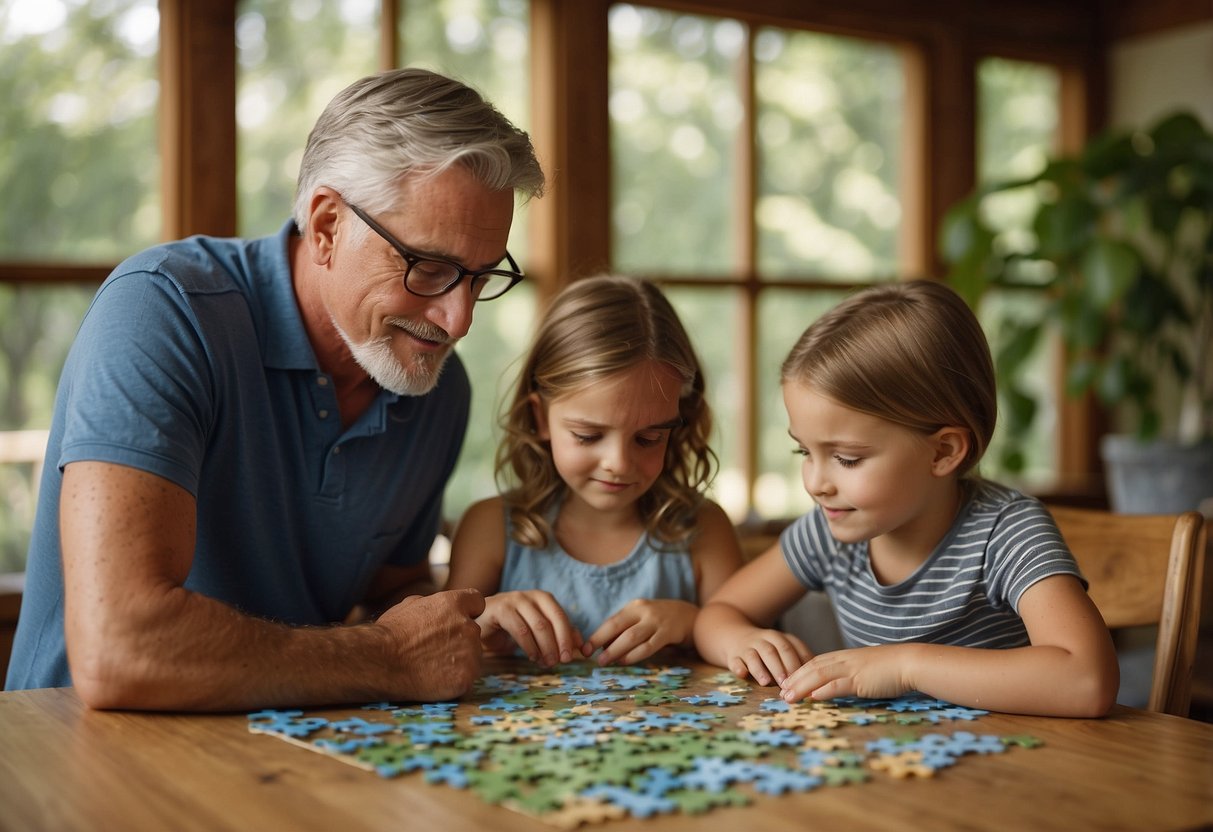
<point x="880" y="672"/>
<point x="769" y="656"/>
<point x="641" y="628"/>
<point x="535" y="622"/>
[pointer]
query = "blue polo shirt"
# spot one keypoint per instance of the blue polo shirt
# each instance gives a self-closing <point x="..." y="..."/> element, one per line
<point x="192" y="363"/>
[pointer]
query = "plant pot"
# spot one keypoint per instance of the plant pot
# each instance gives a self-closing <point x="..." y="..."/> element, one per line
<point x="1158" y="476"/>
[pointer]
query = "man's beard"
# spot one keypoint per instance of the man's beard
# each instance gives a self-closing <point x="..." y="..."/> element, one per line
<point x="416" y="378"/>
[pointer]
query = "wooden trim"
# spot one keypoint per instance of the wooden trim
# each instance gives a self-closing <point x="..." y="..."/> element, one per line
<point x="1133" y="18"/>
<point x="1042" y="27"/>
<point x="950" y="134"/>
<point x="389" y="43"/>
<point x="746" y="263"/>
<point x="53" y="273"/>
<point x="916" y="241"/>
<point x="198" y="117"/>
<point x="570" y="227"/>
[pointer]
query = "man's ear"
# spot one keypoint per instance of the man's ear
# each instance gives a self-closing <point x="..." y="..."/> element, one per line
<point x="951" y="446"/>
<point x="540" y="411"/>
<point x="323" y="220"/>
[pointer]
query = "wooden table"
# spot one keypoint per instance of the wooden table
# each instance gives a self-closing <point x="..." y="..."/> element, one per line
<point x="65" y="767"/>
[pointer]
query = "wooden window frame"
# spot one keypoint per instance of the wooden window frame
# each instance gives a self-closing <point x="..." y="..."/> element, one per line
<point x="570" y="228"/>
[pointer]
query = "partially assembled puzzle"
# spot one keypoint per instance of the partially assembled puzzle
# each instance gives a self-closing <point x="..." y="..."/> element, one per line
<point x="582" y="744"/>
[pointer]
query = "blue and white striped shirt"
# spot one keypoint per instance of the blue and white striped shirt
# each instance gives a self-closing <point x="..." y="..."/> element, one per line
<point x="966" y="593"/>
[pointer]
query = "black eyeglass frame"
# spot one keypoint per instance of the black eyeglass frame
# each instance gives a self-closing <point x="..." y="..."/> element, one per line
<point x="412" y="258"/>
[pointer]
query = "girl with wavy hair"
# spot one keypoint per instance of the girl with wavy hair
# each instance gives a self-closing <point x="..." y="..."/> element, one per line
<point x="602" y="538"/>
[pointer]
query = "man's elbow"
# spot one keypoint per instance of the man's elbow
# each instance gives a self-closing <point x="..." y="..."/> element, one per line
<point x="100" y="683"/>
<point x="106" y="674"/>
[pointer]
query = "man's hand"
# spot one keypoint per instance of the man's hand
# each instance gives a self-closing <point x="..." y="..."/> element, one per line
<point x="437" y="643"/>
<point x="643" y="627"/>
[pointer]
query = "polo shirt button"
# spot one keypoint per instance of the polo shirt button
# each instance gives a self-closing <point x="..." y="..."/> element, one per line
<point x="323" y="381"/>
<point x="337" y="450"/>
<point x="324" y="414"/>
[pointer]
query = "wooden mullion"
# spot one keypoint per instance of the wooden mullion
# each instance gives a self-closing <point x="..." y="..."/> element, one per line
<point x="389" y="43"/>
<point x="570" y="227"/>
<point x="198" y="116"/>
<point x="746" y="264"/>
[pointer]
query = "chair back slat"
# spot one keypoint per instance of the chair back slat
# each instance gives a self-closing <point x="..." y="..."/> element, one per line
<point x="1145" y="570"/>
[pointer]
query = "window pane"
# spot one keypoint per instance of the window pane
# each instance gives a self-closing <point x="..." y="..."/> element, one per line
<point x="785" y="315"/>
<point x="1018" y="120"/>
<point x="39" y="323"/>
<point x="485" y="44"/>
<point x="712" y="318"/>
<point x="492" y="352"/>
<point x="675" y="114"/>
<point x="830" y="112"/>
<point x="293" y="58"/>
<point x="78" y="146"/>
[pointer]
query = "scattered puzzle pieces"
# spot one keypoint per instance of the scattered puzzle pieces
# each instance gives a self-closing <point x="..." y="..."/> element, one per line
<point x="579" y="744"/>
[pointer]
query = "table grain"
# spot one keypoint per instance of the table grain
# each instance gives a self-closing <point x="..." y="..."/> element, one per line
<point x="64" y="766"/>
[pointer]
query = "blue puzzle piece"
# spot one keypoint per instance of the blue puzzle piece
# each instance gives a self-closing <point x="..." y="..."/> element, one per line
<point x="781" y="738"/>
<point x="779" y="779"/>
<point x="718" y="698"/>
<point x="359" y="726"/>
<point x="637" y="804"/>
<point x="658" y="780"/>
<point x="715" y="774"/>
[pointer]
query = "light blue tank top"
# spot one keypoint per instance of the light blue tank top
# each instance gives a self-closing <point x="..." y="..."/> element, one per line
<point x="590" y="593"/>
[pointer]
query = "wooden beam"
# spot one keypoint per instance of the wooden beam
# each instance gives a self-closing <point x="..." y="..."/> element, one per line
<point x="389" y="44"/>
<point x="1133" y="18"/>
<point x="570" y="227"/>
<point x="197" y="116"/>
<point x="53" y="273"/>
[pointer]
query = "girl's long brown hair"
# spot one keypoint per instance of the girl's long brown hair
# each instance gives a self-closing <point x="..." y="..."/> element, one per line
<point x="595" y="328"/>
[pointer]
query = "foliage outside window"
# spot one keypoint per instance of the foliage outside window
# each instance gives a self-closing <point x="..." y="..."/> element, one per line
<point x="823" y="138"/>
<point x="825" y="214"/>
<point x="78" y="158"/>
<point x="1017" y="125"/>
<point x="295" y="56"/>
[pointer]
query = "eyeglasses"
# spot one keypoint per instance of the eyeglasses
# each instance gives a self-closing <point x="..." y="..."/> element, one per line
<point x="432" y="276"/>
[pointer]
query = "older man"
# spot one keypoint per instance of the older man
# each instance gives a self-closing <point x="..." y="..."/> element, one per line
<point x="251" y="437"/>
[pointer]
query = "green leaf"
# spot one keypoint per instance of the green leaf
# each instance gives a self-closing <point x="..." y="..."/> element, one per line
<point x="1017" y="342"/>
<point x="1177" y="131"/>
<point x="1064" y="227"/>
<point x="1020" y="409"/>
<point x="1082" y="325"/>
<point x="1110" y="268"/>
<point x="1112" y="385"/>
<point x="1013" y="460"/>
<point x="962" y="235"/>
<point x="1080" y="376"/>
<point x="1149" y="423"/>
<point x="1108" y="154"/>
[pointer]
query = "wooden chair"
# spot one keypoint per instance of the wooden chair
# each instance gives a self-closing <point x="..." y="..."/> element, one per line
<point x="1145" y="570"/>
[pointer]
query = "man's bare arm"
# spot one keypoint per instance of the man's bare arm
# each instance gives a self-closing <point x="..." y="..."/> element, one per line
<point x="136" y="638"/>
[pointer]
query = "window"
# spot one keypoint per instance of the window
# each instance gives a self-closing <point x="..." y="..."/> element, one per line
<point x="757" y="167"/>
<point x="78" y="158"/>
<point x="1017" y="132"/>
<point x="759" y="205"/>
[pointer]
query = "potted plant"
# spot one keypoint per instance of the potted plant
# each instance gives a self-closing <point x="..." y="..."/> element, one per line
<point x="1121" y="246"/>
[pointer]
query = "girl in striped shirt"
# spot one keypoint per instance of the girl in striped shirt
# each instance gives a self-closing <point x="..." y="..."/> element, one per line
<point x="942" y="582"/>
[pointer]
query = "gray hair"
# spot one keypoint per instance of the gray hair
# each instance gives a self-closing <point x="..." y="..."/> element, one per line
<point x="406" y="121"/>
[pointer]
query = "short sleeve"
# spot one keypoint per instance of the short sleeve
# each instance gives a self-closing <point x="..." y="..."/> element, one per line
<point x="1026" y="547"/>
<point x="138" y="350"/>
